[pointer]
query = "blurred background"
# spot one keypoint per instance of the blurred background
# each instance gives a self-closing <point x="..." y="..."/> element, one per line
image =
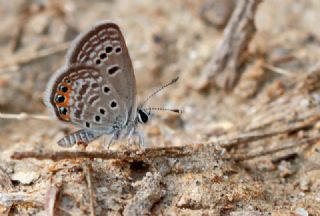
<point x="165" y="39"/>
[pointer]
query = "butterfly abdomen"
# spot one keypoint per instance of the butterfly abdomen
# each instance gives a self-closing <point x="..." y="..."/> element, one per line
<point x="83" y="136"/>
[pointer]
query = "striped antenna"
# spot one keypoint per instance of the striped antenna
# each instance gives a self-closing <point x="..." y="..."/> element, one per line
<point x="160" y="89"/>
<point x="164" y="109"/>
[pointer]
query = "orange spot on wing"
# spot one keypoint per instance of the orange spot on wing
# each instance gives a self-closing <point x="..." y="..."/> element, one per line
<point x="64" y="104"/>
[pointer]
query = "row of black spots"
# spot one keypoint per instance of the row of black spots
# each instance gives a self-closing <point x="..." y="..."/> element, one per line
<point x="104" y="55"/>
<point x="97" y="118"/>
<point x="113" y="105"/>
<point x="61" y="98"/>
<point x="109" y="49"/>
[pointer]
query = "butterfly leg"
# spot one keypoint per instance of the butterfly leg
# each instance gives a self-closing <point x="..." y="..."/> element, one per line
<point x="140" y="137"/>
<point x="114" y="137"/>
<point x="80" y="136"/>
<point x="130" y="140"/>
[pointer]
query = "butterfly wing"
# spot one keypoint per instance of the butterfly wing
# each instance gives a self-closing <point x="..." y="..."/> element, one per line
<point x="84" y="96"/>
<point x="104" y="47"/>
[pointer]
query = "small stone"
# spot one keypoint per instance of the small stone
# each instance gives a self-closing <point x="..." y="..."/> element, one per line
<point x="304" y="184"/>
<point x="301" y="212"/>
<point x="286" y="169"/>
<point x="25" y="177"/>
<point x="246" y="213"/>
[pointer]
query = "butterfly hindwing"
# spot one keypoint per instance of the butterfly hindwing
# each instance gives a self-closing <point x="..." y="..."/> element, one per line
<point x="81" y="95"/>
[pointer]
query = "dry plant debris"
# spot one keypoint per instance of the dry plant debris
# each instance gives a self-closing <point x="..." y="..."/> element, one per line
<point x="253" y="151"/>
<point x="223" y="70"/>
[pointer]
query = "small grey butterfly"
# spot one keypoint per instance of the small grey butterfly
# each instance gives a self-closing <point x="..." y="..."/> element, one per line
<point x="96" y="89"/>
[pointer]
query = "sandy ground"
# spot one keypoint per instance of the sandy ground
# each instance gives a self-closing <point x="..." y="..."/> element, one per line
<point x="278" y="90"/>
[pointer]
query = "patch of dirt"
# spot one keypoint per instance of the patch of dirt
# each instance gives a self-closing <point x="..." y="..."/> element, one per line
<point x="250" y="150"/>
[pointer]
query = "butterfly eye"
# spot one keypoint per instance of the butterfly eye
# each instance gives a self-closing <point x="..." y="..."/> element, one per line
<point x="63" y="110"/>
<point x="143" y="117"/>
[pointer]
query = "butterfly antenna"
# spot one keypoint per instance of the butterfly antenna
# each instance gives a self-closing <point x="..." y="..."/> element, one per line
<point x="164" y="109"/>
<point x="160" y="89"/>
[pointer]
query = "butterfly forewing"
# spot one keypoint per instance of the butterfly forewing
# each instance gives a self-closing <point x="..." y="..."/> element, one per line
<point x="104" y="48"/>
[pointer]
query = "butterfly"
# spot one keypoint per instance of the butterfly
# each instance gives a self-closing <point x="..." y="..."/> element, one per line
<point x="96" y="89"/>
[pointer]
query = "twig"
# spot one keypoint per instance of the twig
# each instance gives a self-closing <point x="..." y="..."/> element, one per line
<point x="5" y="181"/>
<point x="17" y="35"/>
<point x="286" y="157"/>
<point x="222" y="70"/>
<point x="25" y="14"/>
<point x="129" y="155"/>
<point x="306" y="141"/>
<point x="51" y="197"/>
<point x="8" y="199"/>
<point x="87" y="169"/>
<point x="277" y="70"/>
<point x="280" y="115"/>
<point x="23" y="116"/>
<point x="251" y="137"/>
<point x="136" y="155"/>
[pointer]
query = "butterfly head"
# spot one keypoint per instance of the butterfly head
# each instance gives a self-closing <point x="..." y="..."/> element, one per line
<point x="143" y="115"/>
